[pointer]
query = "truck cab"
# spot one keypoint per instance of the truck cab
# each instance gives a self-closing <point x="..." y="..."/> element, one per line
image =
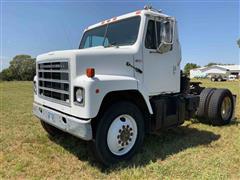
<point x="122" y="82"/>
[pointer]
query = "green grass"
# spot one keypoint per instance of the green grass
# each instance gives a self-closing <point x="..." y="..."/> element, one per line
<point x="193" y="150"/>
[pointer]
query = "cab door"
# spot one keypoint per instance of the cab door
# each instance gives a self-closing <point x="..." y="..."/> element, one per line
<point x="161" y="70"/>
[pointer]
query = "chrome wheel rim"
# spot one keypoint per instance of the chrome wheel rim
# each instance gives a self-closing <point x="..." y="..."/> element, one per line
<point x="122" y="135"/>
<point x="226" y="108"/>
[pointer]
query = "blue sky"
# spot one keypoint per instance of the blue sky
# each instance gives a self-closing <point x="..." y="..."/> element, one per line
<point x="208" y="29"/>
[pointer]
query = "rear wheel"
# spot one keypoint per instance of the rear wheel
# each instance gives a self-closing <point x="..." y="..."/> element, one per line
<point x="202" y="111"/>
<point x="119" y="133"/>
<point x="213" y="79"/>
<point x="51" y="130"/>
<point x="219" y="79"/>
<point x="221" y="107"/>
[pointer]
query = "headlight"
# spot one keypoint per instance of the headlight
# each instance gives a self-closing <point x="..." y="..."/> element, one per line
<point x="79" y="95"/>
<point x="34" y="87"/>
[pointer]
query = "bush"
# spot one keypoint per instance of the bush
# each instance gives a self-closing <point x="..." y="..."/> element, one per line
<point x="188" y="67"/>
<point x="6" y="75"/>
<point x="22" y="68"/>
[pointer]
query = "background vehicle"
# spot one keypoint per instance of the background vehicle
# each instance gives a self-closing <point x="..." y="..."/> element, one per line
<point x="218" y="77"/>
<point x="232" y="77"/>
<point x="120" y="85"/>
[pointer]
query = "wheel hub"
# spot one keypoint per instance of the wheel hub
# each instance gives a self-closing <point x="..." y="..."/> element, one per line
<point x="122" y="134"/>
<point x="125" y="134"/>
<point x="226" y="108"/>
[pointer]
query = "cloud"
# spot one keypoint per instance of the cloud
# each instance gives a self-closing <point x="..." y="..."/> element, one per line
<point x="3" y="57"/>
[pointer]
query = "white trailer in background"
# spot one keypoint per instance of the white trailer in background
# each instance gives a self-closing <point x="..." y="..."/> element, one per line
<point x="197" y="73"/>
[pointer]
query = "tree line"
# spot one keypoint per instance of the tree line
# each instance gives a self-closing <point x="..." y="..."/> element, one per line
<point x="22" y="68"/>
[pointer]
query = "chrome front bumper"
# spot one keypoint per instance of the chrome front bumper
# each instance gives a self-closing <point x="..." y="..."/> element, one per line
<point x="75" y="126"/>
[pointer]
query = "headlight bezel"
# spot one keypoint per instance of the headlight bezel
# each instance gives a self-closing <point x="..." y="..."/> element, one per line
<point x="76" y="88"/>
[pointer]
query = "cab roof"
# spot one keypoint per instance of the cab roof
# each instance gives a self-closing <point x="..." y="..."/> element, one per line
<point x="142" y="12"/>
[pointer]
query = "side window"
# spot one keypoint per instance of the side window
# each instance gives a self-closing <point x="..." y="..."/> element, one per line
<point x="164" y="33"/>
<point x="150" y="40"/>
<point x="159" y="35"/>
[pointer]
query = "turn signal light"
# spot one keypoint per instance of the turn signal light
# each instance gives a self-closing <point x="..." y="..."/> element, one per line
<point x="90" y="72"/>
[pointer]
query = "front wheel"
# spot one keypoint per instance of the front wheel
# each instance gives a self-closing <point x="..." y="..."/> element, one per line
<point x="119" y="133"/>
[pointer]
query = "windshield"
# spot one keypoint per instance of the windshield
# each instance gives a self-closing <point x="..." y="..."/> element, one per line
<point x="119" y="33"/>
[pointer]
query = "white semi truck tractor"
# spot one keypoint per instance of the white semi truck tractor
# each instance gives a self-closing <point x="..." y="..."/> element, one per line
<point x="123" y="82"/>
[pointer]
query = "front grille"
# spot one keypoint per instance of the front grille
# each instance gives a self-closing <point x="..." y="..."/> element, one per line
<point x="53" y="81"/>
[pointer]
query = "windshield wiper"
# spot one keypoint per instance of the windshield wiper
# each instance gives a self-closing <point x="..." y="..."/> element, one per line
<point x="114" y="44"/>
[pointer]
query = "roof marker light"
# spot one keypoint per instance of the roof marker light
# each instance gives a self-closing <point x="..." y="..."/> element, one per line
<point x="114" y="19"/>
<point x="138" y="12"/>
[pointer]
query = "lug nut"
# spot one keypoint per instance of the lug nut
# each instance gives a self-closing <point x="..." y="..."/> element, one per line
<point x="119" y="142"/>
<point x="123" y="126"/>
<point x="130" y="139"/>
<point x="120" y="131"/>
<point x="131" y="134"/>
<point x="122" y="144"/>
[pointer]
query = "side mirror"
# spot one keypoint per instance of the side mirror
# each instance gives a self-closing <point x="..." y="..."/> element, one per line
<point x="166" y="42"/>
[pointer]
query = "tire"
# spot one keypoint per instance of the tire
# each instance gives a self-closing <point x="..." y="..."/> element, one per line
<point x="219" y="79"/>
<point x="111" y="145"/>
<point x="51" y="130"/>
<point x="202" y="111"/>
<point x="221" y="107"/>
<point x="213" y="79"/>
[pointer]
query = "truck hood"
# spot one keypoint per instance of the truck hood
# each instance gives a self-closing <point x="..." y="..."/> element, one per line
<point x="108" y="61"/>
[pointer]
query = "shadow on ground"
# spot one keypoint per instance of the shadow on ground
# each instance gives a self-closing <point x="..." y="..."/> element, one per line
<point x="156" y="147"/>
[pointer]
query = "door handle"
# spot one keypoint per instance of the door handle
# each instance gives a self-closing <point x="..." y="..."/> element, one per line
<point x="135" y="68"/>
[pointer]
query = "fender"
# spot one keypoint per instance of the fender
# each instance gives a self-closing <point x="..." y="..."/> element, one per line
<point x="97" y="88"/>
